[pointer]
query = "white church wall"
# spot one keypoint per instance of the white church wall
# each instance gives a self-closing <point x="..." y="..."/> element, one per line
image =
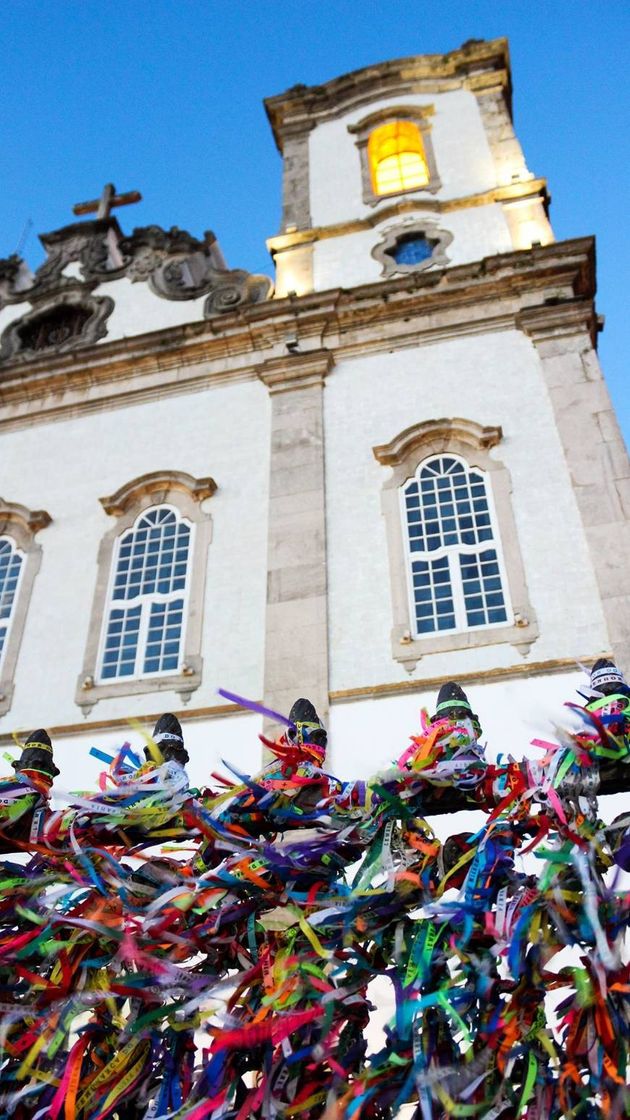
<point x="232" y="739"/>
<point x="137" y="310"/>
<point x="367" y="735"/>
<point x="65" y="467"/>
<point x="347" y="260"/>
<point x="12" y="312"/>
<point x="491" y="379"/>
<point x="462" y="154"/>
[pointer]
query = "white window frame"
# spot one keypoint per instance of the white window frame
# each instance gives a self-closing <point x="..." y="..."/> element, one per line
<point x="19" y="526"/>
<point x="453" y="553"/>
<point x="16" y="550"/>
<point x="474" y="444"/>
<point x="145" y="602"/>
<point x="189" y="498"/>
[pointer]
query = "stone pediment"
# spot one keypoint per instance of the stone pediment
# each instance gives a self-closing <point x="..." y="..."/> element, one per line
<point x="86" y="256"/>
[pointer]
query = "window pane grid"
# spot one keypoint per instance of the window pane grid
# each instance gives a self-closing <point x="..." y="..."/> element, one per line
<point x="121" y="643"/>
<point x="454" y="507"/>
<point x="433" y="595"/>
<point x="163" y="639"/>
<point x="10" y="570"/>
<point x="396" y="157"/>
<point x="447" y="515"/>
<point x="146" y="562"/>
<point x="481" y="584"/>
<point x="145" y="625"/>
<point x="10" y="567"/>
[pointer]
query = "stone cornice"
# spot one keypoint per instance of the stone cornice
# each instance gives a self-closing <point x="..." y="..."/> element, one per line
<point x="157" y="485"/>
<point x="466" y="431"/>
<point x="475" y="65"/>
<point x="529" y="188"/>
<point x="557" y="319"/>
<point x="296" y="371"/>
<point x="30" y="521"/>
<point x="439" y="303"/>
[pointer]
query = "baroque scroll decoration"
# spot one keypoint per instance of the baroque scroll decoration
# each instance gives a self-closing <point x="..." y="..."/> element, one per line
<point x="85" y="255"/>
<point x="230" y="974"/>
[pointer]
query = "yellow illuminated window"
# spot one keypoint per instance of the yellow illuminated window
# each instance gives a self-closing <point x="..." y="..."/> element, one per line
<point x="397" y="159"/>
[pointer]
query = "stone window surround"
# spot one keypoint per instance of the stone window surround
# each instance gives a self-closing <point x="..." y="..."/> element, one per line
<point x="95" y="327"/>
<point x="420" y="115"/>
<point x="428" y="227"/>
<point x="188" y="495"/>
<point x="20" y="525"/>
<point x="473" y="443"/>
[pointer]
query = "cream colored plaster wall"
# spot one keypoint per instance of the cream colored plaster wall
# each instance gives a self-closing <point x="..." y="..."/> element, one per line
<point x="65" y="467"/>
<point x="477" y="232"/>
<point x="462" y="154"/>
<point x="491" y="379"/>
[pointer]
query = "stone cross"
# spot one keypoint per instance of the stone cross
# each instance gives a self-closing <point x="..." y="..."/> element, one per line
<point x="103" y="206"/>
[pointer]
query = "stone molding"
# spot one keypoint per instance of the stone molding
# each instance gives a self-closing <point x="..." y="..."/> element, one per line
<point x="439" y="239"/>
<point x="554" y="666"/>
<point x="121" y="723"/>
<point x="559" y="319"/>
<point x="420" y="115"/>
<point x="511" y="192"/>
<point x="473" y="442"/>
<point x="439" y="303"/>
<point x="477" y="64"/>
<point x="297" y="371"/>
<point x="179" y="489"/>
<point x="436" y="432"/>
<point x="21" y="525"/>
<point x="16" y="518"/>
<point x="175" y="265"/>
<point x="154" y="488"/>
<point x="98" y="309"/>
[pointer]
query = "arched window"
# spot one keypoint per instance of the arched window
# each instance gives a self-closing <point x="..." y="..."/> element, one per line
<point x="11" y="562"/>
<point x="396" y="157"/>
<point x="455" y="571"/>
<point x="396" y="152"/>
<point x="144" y="627"/>
<point x="20" y="560"/>
<point x="147" y="616"/>
<point x="457" y="575"/>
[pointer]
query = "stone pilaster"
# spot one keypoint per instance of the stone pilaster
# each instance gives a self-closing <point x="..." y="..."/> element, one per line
<point x="497" y="120"/>
<point x="296" y="202"/>
<point x="594" y="450"/>
<point x="296" y="648"/>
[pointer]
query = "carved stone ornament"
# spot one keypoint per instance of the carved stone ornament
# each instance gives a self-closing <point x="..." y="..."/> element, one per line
<point x="71" y="320"/>
<point x="437" y="239"/>
<point x="86" y="254"/>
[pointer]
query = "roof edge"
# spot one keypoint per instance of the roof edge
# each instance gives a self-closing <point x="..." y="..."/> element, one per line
<point x="298" y="109"/>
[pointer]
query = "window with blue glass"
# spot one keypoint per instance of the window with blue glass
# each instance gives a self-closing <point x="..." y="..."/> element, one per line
<point x="144" y="627"/>
<point x="11" y="560"/>
<point x="412" y="249"/>
<point x="455" y="567"/>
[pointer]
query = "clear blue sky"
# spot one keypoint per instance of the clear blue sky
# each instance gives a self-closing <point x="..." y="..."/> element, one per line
<point x="165" y="96"/>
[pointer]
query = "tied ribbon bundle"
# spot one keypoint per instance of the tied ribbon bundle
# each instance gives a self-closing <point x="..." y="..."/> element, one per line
<point x="236" y="975"/>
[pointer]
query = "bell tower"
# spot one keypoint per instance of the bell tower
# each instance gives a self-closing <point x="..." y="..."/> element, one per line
<point x="403" y="165"/>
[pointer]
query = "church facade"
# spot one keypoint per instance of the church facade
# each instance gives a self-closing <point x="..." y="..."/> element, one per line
<point x="393" y="465"/>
